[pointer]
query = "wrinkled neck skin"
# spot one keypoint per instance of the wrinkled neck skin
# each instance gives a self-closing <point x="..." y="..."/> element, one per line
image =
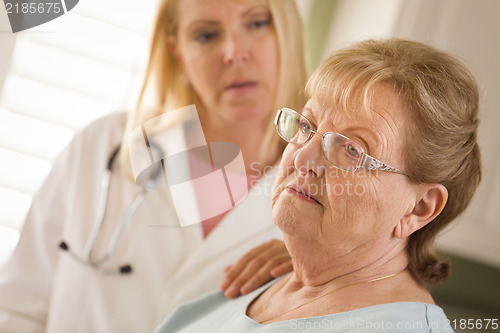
<point x="335" y="280"/>
<point x="319" y="265"/>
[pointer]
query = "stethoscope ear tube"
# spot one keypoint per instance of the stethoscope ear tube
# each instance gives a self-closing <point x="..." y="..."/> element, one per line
<point x="87" y="251"/>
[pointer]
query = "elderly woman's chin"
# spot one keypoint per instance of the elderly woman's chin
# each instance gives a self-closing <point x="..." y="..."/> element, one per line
<point x="294" y="214"/>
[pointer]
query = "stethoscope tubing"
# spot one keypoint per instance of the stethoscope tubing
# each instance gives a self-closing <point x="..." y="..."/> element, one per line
<point x="96" y="229"/>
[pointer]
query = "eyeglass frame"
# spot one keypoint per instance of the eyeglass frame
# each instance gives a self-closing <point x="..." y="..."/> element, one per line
<point x="366" y="161"/>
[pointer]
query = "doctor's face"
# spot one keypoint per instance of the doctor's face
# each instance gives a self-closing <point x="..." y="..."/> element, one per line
<point x="228" y="52"/>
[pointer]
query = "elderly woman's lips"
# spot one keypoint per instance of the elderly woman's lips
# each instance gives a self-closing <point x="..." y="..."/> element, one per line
<point x="301" y="194"/>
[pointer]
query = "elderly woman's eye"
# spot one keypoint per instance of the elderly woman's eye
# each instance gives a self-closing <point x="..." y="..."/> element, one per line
<point x="352" y="151"/>
<point x="305" y="127"/>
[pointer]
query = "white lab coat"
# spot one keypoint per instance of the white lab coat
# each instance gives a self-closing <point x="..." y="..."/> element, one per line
<point x="44" y="289"/>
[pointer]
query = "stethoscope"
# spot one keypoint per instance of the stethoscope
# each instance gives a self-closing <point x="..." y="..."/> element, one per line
<point x="97" y="263"/>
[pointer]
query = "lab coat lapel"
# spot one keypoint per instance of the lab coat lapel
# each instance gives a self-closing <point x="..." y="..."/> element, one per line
<point x="243" y="222"/>
<point x="240" y="224"/>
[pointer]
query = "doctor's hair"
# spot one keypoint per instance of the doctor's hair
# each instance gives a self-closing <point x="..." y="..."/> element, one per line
<point x="164" y="84"/>
<point x="440" y="100"/>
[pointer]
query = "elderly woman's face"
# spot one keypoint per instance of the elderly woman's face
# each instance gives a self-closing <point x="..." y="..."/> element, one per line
<point x="228" y="51"/>
<point x="316" y="201"/>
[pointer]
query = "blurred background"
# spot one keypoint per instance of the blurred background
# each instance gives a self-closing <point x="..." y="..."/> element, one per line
<point x="58" y="77"/>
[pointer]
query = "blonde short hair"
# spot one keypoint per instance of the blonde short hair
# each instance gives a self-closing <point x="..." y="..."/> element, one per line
<point x="164" y="77"/>
<point x="442" y="105"/>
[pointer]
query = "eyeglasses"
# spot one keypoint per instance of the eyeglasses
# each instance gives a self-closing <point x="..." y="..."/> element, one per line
<point x="339" y="150"/>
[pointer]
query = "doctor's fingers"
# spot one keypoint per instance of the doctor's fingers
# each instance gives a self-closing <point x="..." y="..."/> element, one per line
<point x="258" y="256"/>
<point x="252" y="277"/>
<point x="256" y="268"/>
<point x="284" y="268"/>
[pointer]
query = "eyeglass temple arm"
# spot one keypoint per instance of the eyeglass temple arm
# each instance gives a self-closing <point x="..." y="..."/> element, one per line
<point x="371" y="163"/>
<point x="278" y="114"/>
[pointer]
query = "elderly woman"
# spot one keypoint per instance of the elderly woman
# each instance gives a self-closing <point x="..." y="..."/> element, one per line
<point x="383" y="157"/>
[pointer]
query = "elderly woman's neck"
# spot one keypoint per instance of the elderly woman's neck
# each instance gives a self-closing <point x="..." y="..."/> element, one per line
<point x="324" y="267"/>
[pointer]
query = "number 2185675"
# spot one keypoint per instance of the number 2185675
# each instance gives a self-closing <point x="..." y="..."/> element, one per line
<point x="472" y="324"/>
<point x="33" y="8"/>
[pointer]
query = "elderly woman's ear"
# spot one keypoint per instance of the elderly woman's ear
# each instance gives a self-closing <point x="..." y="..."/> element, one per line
<point x="428" y="204"/>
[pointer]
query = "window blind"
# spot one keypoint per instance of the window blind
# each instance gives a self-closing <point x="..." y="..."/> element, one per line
<point x="63" y="75"/>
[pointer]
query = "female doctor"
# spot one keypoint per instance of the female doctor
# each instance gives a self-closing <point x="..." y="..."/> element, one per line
<point x="237" y="61"/>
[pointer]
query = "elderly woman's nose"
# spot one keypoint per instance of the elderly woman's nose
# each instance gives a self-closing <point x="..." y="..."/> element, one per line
<point x="235" y="49"/>
<point x="309" y="158"/>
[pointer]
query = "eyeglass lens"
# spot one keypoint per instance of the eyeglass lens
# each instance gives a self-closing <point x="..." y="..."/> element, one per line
<point x="338" y="149"/>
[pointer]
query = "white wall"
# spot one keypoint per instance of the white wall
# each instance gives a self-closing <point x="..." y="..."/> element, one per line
<point x="357" y="20"/>
<point x="470" y="29"/>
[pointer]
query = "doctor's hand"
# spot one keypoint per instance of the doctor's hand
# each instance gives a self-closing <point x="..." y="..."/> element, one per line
<point x="257" y="267"/>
